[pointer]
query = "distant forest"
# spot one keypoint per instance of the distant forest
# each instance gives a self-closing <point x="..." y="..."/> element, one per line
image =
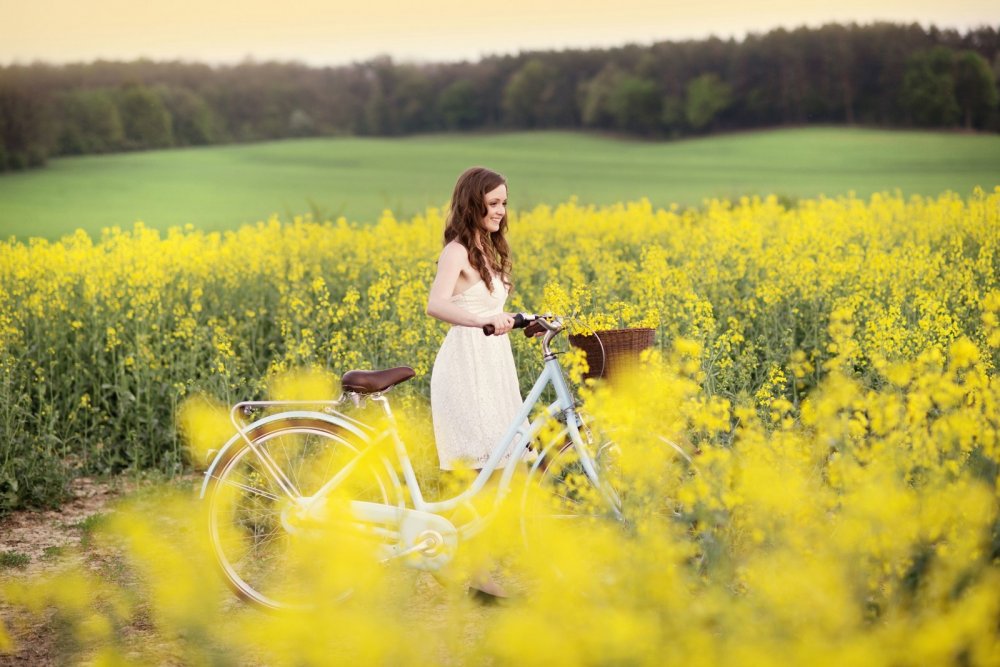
<point x="883" y="74"/>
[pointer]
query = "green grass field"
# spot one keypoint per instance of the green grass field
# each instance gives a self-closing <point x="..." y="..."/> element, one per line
<point x="222" y="187"/>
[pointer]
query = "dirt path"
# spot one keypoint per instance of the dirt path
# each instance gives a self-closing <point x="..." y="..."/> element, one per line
<point x="45" y="539"/>
<point x="42" y="535"/>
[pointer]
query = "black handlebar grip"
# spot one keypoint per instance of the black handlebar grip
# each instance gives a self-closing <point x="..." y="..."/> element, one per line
<point x="520" y="321"/>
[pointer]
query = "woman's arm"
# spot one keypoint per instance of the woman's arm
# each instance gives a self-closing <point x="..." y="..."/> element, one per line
<point x="453" y="259"/>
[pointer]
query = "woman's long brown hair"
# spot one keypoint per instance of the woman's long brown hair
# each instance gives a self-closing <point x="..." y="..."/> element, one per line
<point x="488" y="251"/>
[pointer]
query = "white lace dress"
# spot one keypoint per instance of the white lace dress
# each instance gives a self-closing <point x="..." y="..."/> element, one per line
<point x="474" y="390"/>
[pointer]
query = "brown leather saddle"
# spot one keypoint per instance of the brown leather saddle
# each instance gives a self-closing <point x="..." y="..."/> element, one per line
<point x="372" y="382"/>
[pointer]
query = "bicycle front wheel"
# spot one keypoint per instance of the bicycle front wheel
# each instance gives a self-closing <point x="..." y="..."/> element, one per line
<point x="559" y="493"/>
<point x="273" y="543"/>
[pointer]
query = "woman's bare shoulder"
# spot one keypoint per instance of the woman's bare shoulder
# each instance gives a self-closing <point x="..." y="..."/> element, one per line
<point x="454" y="251"/>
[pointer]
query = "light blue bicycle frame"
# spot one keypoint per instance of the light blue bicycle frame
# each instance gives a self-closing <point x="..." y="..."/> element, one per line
<point x="514" y="441"/>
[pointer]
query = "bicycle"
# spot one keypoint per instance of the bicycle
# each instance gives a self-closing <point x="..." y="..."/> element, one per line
<point x="274" y="481"/>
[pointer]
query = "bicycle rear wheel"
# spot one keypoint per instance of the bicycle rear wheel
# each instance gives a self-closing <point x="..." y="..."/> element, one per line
<point x="275" y="548"/>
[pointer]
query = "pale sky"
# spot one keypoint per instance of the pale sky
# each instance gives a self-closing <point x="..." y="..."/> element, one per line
<point x="333" y="32"/>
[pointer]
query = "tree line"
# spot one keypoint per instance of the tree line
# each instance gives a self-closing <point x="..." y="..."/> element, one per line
<point x="882" y="74"/>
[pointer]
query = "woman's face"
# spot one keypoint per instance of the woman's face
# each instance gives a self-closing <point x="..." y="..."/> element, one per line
<point x="496" y="208"/>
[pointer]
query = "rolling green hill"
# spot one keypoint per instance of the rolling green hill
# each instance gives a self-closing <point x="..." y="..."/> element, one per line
<point x="222" y="187"/>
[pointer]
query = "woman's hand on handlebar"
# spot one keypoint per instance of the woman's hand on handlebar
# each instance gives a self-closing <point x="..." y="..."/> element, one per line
<point x="501" y="324"/>
<point x="532" y="324"/>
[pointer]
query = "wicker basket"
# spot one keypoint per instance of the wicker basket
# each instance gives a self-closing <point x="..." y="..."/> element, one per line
<point x="621" y="349"/>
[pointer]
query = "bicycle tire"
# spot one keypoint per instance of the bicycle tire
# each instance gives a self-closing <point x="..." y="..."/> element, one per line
<point x="258" y="546"/>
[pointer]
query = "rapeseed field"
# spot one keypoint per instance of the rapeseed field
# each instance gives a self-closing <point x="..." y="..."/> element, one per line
<point x="829" y="369"/>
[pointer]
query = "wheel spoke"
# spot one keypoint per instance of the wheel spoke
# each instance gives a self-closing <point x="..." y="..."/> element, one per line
<point x="254" y="490"/>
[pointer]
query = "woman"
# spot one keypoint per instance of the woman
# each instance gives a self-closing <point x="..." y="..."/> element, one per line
<point x="474" y="388"/>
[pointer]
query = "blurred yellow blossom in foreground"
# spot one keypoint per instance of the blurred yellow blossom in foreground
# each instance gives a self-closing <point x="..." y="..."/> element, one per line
<point x="813" y="543"/>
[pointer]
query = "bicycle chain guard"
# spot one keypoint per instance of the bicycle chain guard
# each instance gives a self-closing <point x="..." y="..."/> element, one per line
<point x="426" y="541"/>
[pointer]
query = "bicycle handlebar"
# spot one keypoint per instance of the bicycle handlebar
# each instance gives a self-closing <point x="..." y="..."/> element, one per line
<point x="532" y="324"/>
